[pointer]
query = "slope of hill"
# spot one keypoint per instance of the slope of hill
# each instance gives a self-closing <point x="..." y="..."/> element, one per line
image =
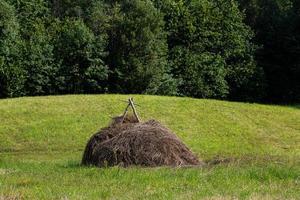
<point x="253" y="150"/>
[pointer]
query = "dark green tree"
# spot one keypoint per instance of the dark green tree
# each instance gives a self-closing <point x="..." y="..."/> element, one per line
<point x="79" y="54"/>
<point x="137" y="49"/>
<point x="37" y="50"/>
<point x="276" y="24"/>
<point x="12" y="75"/>
<point x="209" y="37"/>
<point x="70" y="8"/>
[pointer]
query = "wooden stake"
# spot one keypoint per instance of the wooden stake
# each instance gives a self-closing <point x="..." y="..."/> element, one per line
<point x="133" y="108"/>
<point x="130" y="104"/>
<point x="125" y="112"/>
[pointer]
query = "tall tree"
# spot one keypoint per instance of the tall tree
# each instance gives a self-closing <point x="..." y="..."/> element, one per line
<point x="37" y="50"/>
<point x="208" y="41"/>
<point x="276" y="24"/>
<point x="138" y="49"/>
<point x="70" y="8"/>
<point x="12" y="75"/>
<point x="80" y="57"/>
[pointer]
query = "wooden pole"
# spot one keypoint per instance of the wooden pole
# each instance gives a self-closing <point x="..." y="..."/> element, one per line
<point x="125" y="112"/>
<point x="133" y="108"/>
<point x="130" y="104"/>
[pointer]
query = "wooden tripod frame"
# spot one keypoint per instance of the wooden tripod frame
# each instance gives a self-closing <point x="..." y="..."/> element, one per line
<point x="130" y="104"/>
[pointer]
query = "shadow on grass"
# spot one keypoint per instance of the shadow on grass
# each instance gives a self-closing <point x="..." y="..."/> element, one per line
<point x="296" y="106"/>
<point x="245" y="160"/>
<point x="259" y="160"/>
<point x="72" y="164"/>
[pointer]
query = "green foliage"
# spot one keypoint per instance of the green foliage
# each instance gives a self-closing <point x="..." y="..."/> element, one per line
<point x="138" y="49"/>
<point x="37" y="50"/>
<point x="12" y="76"/>
<point x="170" y="47"/>
<point x="203" y="74"/>
<point x="79" y="54"/>
<point x="70" y="8"/>
<point x="209" y="37"/>
<point x="39" y="61"/>
<point x="276" y="23"/>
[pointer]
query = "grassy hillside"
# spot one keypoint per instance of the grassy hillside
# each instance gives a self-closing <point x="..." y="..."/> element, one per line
<point x="42" y="141"/>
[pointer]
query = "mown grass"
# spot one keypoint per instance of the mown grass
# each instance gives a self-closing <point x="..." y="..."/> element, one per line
<point x="42" y="140"/>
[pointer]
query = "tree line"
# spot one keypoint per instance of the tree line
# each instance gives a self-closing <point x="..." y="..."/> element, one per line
<point x="244" y="50"/>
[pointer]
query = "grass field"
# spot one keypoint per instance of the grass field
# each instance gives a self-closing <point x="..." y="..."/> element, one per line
<point x="42" y="141"/>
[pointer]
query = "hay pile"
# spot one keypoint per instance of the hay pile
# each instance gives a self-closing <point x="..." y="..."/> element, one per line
<point x="131" y="143"/>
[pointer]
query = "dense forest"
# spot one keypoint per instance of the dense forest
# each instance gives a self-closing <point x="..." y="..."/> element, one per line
<point x="241" y="50"/>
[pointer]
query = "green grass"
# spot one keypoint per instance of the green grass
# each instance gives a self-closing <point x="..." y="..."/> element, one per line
<point x="42" y="141"/>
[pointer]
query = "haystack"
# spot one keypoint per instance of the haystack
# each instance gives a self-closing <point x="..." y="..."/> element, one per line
<point x="127" y="141"/>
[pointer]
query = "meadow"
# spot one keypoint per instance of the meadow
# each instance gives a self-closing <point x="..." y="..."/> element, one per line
<point x="252" y="150"/>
